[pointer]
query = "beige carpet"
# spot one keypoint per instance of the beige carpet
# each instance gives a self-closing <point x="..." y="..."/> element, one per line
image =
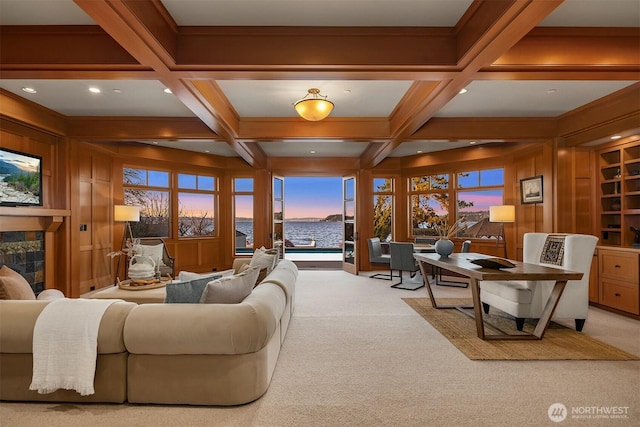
<point x="357" y="355"/>
<point x="559" y="342"/>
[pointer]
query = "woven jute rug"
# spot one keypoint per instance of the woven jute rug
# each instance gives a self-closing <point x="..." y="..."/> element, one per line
<point x="558" y="343"/>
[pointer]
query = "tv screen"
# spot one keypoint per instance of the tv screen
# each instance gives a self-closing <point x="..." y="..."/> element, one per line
<point x="20" y="179"/>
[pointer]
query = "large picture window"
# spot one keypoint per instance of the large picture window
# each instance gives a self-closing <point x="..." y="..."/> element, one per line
<point x="477" y="190"/>
<point x="243" y="211"/>
<point x="148" y="189"/>
<point x="428" y="203"/>
<point x="196" y="205"/>
<point x="383" y="208"/>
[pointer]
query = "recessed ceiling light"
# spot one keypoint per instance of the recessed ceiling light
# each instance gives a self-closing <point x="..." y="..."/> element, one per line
<point x="94" y="90"/>
<point x="419" y="151"/>
<point x="347" y="91"/>
<point x="312" y="152"/>
<point x="551" y="91"/>
<point x="471" y="142"/>
<point x="29" y="90"/>
<point x="207" y="151"/>
<point x="155" y="142"/>
<point x="167" y="90"/>
<point x="117" y="91"/>
<point x="463" y="90"/>
<point x="614" y="137"/>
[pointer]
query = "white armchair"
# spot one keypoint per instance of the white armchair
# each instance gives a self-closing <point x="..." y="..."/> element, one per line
<point x="526" y="299"/>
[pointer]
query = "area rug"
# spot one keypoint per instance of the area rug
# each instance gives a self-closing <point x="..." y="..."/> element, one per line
<point x="559" y="342"/>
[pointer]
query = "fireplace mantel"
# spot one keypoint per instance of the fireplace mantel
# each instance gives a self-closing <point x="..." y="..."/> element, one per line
<point x="32" y="218"/>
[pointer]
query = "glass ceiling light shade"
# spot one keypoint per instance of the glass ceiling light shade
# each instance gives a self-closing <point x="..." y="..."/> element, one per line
<point x="313" y="107"/>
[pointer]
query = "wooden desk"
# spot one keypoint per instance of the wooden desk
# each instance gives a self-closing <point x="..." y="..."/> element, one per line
<point x="460" y="263"/>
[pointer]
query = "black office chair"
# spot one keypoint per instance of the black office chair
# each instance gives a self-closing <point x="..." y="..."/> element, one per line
<point x="402" y="259"/>
<point x="466" y="246"/>
<point x="376" y="257"/>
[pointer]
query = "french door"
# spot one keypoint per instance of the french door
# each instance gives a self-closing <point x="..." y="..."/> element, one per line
<point x="349" y="231"/>
<point x="277" y="231"/>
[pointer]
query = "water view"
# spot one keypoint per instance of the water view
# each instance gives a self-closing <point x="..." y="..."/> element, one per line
<point x="326" y="234"/>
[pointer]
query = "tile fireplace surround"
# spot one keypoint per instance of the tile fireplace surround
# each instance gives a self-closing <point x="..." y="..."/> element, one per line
<point x="23" y="251"/>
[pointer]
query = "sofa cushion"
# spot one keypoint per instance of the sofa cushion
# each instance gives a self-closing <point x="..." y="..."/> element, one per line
<point x="14" y="286"/>
<point x="185" y="276"/>
<point x="230" y="289"/>
<point x="261" y="275"/>
<point x="264" y="258"/>
<point x="186" y="292"/>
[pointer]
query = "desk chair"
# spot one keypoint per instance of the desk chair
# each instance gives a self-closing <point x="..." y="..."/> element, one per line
<point x="376" y="257"/>
<point x="402" y="259"/>
<point x="527" y="299"/>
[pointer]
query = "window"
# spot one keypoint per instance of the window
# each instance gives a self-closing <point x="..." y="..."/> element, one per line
<point x="383" y="208"/>
<point x="148" y="189"/>
<point x="477" y="190"/>
<point x="196" y="205"/>
<point x="428" y="203"/>
<point x="243" y="208"/>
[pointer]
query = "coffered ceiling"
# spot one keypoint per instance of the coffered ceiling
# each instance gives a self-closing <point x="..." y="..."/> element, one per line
<point x="393" y="68"/>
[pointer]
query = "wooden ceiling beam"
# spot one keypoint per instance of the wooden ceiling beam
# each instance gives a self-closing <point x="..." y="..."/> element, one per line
<point x="146" y="31"/>
<point x="485" y="32"/>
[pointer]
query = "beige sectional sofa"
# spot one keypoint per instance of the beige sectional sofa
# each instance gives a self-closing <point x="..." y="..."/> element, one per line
<point x="196" y="354"/>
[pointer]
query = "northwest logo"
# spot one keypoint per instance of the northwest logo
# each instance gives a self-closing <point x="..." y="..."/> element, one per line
<point x="557" y="412"/>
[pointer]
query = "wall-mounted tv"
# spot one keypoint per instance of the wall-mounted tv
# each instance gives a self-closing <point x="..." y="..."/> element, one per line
<point x="20" y="179"/>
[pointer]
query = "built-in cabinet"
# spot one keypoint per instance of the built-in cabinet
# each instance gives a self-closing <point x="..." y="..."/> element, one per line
<point x="618" y="264"/>
<point x="619" y="279"/>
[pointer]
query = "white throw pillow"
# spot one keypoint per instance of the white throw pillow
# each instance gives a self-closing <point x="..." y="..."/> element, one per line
<point x="264" y="258"/>
<point x="155" y="252"/>
<point x="230" y="289"/>
<point x="185" y="276"/>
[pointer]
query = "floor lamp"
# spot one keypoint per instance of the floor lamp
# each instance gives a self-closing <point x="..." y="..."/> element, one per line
<point x="502" y="214"/>
<point x="126" y="214"/>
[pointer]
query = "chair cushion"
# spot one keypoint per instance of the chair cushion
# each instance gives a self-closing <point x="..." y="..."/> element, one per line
<point x="14" y="286"/>
<point x="512" y="291"/>
<point x="156" y="252"/>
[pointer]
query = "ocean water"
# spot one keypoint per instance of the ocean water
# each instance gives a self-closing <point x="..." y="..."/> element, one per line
<point x="326" y="234"/>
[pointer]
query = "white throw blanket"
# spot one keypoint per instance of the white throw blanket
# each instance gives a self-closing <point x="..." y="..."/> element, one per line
<point x="65" y="345"/>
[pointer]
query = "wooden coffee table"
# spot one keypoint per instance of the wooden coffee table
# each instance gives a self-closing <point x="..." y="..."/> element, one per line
<point x="460" y="263"/>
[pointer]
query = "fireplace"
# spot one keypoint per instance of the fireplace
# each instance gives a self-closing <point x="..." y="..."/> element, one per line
<point x="23" y="251"/>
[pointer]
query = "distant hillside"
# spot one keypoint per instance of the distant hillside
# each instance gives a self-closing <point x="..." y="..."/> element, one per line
<point x="8" y="168"/>
<point x="333" y="218"/>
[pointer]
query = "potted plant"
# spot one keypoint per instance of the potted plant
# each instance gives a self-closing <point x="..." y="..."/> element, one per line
<point x="444" y="245"/>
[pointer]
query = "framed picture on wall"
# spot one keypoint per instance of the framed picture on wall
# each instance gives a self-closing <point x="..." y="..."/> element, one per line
<point x="531" y="190"/>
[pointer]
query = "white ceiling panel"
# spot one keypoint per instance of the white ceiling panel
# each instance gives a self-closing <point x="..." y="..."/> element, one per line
<point x="117" y="97"/>
<point x="406" y="13"/>
<point x="505" y="98"/>
<point x="318" y="148"/>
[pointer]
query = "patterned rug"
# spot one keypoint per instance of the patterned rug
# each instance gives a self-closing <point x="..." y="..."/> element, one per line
<point x="559" y="342"/>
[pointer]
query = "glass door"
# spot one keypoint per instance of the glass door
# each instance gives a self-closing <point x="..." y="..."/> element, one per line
<point x="349" y="234"/>
<point x="277" y="233"/>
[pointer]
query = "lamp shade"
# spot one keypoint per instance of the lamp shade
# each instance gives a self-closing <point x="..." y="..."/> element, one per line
<point x="314" y="108"/>
<point x="123" y="213"/>
<point x="502" y="213"/>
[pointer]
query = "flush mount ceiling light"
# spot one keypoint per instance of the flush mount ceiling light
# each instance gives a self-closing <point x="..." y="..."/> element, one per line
<point x="313" y="107"/>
